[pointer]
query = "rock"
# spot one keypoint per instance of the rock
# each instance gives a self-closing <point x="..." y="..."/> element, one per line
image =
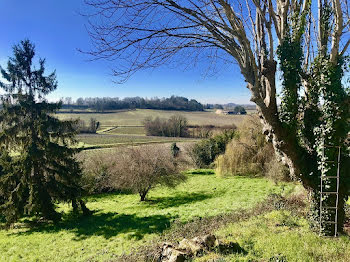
<point x="209" y="241"/>
<point x="177" y="256"/>
<point x="198" y="240"/>
<point x="170" y="254"/>
<point x="190" y="246"/>
<point x="187" y="248"/>
<point x="167" y="250"/>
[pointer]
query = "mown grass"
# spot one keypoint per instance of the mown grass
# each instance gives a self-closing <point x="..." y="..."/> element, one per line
<point x="279" y="235"/>
<point x="121" y="222"/>
<point x="136" y="117"/>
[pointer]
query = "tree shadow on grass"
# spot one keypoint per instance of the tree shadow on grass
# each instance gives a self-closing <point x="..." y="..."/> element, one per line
<point x="179" y="199"/>
<point x="107" y="225"/>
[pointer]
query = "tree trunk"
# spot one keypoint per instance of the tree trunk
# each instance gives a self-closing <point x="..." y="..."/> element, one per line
<point x="86" y="211"/>
<point x="75" y="206"/>
<point x="303" y="162"/>
<point x="143" y="196"/>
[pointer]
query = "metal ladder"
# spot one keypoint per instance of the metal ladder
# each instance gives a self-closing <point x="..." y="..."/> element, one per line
<point x="322" y="207"/>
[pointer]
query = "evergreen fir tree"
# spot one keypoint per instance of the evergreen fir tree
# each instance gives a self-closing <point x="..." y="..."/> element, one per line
<point x="38" y="167"/>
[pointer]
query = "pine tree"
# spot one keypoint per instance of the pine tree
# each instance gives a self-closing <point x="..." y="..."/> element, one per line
<point x="38" y="167"/>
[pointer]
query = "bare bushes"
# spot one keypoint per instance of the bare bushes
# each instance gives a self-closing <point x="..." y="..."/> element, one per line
<point x="142" y="168"/>
<point x="250" y="153"/>
<point x="175" y="126"/>
<point x="135" y="169"/>
<point x="208" y="131"/>
<point x="97" y="165"/>
<point x="276" y="171"/>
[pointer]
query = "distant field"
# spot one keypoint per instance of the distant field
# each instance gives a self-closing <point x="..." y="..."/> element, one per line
<point x="107" y="141"/>
<point x="136" y="117"/>
<point x="126" y="130"/>
<point x="125" y="127"/>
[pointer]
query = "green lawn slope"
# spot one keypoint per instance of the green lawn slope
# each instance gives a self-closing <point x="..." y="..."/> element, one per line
<point x="121" y="222"/>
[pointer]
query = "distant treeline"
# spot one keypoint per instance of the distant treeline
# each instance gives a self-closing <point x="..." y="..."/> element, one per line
<point x="109" y="103"/>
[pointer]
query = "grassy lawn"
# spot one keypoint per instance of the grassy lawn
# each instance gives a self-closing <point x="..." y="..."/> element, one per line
<point x="279" y="235"/>
<point x="136" y="117"/>
<point x="121" y="222"/>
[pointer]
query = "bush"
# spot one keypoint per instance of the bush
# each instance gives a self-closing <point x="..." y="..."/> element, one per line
<point x="96" y="166"/>
<point x="175" y="126"/>
<point x="205" y="152"/>
<point x="208" y="131"/>
<point x="248" y="153"/>
<point x="276" y="171"/>
<point x="175" y="150"/>
<point x="143" y="168"/>
<point x="136" y="169"/>
<point x="240" y="110"/>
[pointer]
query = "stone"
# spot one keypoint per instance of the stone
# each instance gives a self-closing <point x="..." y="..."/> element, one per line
<point x="190" y="246"/>
<point x="198" y="240"/>
<point x="177" y="256"/>
<point x="167" y="252"/>
<point x="209" y="241"/>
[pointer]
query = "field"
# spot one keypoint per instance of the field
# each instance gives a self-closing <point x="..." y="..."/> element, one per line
<point x="121" y="222"/>
<point x="136" y="117"/>
<point x="94" y="141"/>
<point x="125" y="127"/>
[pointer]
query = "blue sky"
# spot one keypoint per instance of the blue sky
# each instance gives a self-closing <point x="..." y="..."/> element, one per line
<point x="58" y="31"/>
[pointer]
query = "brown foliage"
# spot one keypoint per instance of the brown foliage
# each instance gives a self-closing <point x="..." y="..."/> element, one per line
<point x="249" y="152"/>
<point x="136" y="169"/>
<point x="142" y="168"/>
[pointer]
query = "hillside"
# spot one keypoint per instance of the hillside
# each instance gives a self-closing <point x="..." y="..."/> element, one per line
<point x="136" y="117"/>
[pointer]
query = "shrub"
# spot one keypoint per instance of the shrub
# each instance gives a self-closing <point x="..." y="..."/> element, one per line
<point x="143" y="168"/>
<point x="208" y="131"/>
<point x="175" y="150"/>
<point x="248" y="153"/>
<point x="175" y="126"/>
<point x="96" y="171"/>
<point x="136" y="169"/>
<point x="240" y="110"/>
<point x="205" y="152"/>
<point x="276" y="171"/>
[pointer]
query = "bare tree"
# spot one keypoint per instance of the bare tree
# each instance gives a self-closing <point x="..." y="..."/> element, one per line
<point x="305" y="37"/>
<point x="140" y="169"/>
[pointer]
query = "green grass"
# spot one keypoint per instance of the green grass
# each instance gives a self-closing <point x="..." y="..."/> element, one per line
<point x="121" y="222"/>
<point x="136" y="117"/>
<point x="279" y="236"/>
